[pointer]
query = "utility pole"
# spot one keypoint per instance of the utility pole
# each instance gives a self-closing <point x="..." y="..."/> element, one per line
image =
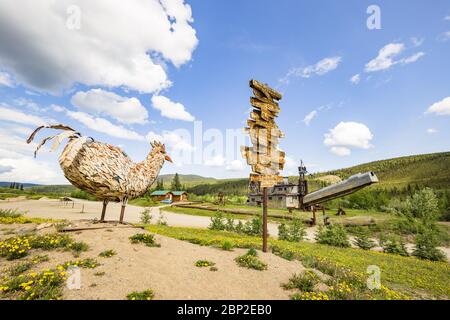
<point x="264" y="157"/>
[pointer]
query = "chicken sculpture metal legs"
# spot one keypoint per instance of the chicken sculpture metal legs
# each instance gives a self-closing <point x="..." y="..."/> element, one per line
<point x="105" y="203"/>
<point x="122" y="210"/>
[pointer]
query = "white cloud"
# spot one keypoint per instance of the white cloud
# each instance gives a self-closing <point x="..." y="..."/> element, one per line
<point x="7" y="114"/>
<point x="441" y="108"/>
<point x="104" y="126"/>
<point x="101" y="102"/>
<point x="340" y="151"/>
<point x="444" y="36"/>
<point x="431" y="131"/>
<point x="118" y="43"/>
<point x="5" y="80"/>
<point x="417" y="42"/>
<point x="355" y="79"/>
<point x="385" y="57"/>
<point x="28" y="169"/>
<point x="447" y="18"/>
<point x="320" y="68"/>
<point x="346" y="135"/>
<point x="309" y="117"/>
<point x="216" y="161"/>
<point x="57" y="108"/>
<point x="170" y="109"/>
<point x="174" y="140"/>
<point x="28" y="103"/>
<point x="235" y="165"/>
<point x="412" y="58"/>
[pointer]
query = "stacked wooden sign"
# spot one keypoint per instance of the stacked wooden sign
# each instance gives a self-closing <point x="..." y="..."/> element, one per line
<point x="264" y="156"/>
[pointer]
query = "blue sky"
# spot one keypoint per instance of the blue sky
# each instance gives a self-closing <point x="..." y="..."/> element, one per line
<point x="398" y="103"/>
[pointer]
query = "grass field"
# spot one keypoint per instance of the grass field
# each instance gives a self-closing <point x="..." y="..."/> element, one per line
<point x="414" y="277"/>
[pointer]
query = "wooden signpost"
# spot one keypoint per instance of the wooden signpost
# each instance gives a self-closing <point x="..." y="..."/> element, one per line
<point x="264" y="157"/>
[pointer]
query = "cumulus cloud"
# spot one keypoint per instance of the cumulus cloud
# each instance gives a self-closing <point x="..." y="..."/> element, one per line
<point x="5" y="80"/>
<point x="309" y="117"/>
<point x="28" y="169"/>
<point x="441" y="108"/>
<point x="431" y="131"/>
<point x="100" y="102"/>
<point x="417" y="42"/>
<point x="235" y="165"/>
<point x="355" y="79"/>
<point x="216" y="161"/>
<point x="115" y="44"/>
<point x="104" y="126"/>
<point x="170" y="109"/>
<point x="346" y="135"/>
<point x="340" y="151"/>
<point x="57" y="108"/>
<point x="320" y="68"/>
<point x="412" y="58"/>
<point x="387" y="57"/>
<point x="8" y="114"/>
<point x="177" y="140"/>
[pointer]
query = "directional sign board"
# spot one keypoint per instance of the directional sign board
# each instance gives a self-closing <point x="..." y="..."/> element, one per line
<point x="264" y="157"/>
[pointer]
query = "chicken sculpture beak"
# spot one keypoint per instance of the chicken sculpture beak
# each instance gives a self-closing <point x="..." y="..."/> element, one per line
<point x="167" y="158"/>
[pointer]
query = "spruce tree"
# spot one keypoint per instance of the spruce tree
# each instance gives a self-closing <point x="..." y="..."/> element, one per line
<point x="176" y="184"/>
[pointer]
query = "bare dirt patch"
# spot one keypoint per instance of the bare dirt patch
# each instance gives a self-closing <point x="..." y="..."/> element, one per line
<point x="169" y="270"/>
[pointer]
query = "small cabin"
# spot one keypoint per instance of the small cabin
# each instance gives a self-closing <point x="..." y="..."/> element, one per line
<point x="179" y="196"/>
<point x="160" y="195"/>
<point x="173" y="196"/>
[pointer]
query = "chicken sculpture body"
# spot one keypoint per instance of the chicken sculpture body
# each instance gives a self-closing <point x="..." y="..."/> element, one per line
<point x="105" y="170"/>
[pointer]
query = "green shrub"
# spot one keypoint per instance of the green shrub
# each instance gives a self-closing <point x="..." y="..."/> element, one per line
<point x="227" y="245"/>
<point x="304" y="282"/>
<point x="217" y="222"/>
<point x="253" y="227"/>
<point x="363" y="241"/>
<point x="250" y="260"/>
<point x="10" y="213"/>
<point x="144" y="295"/>
<point x="395" y="245"/>
<point x="283" y="253"/>
<point x="107" y="254"/>
<point x="293" y="232"/>
<point x="426" y="243"/>
<point x="146" y="216"/>
<point x="333" y="235"/>
<point x="204" y="263"/>
<point x="146" y="238"/>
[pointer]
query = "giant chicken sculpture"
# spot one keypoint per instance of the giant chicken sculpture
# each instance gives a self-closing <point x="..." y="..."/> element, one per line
<point x="102" y="169"/>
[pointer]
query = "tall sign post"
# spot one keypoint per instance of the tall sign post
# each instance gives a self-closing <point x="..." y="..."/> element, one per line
<point x="264" y="157"/>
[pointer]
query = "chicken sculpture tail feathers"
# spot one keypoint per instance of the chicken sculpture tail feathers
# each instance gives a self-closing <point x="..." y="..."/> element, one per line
<point x="67" y="133"/>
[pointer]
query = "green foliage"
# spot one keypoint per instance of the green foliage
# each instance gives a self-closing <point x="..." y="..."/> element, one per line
<point x="426" y="242"/>
<point x="81" y="194"/>
<point x="250" y="227"/>
<point x="363" y="241"/>
<point x="10" y="213"/>
<point x="250" y="260"/>
<point x="285" y="254"/>
<point x="107" y="253"/>
<point x="146" y="216"/>
<point x="204" y="263"/>
<point x="333" y="235"/>
<point x="423" y="205"/>
<point x="394" y="244"/>
<point x="143" y="295"/>
<point x="176" y="184"/>
<point x="227" y="245"/>
<point x="146" y="238"/>
<point x="236" y="187"/>
<point x="411" y="274"/>
<point x="294" y="231"/>
<point x="303" y="282"/>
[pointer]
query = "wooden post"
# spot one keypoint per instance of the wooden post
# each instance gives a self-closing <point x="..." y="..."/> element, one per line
<point x="105" y="202"/>
<point x="265" y="233"/>
<point x="314" y="215"/>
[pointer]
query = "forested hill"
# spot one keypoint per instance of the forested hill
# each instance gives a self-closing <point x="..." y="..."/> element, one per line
<point x="431" y="170"/>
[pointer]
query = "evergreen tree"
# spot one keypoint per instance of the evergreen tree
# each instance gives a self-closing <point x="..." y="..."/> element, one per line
<point x="21" y="186"/>
<point x="176" y="184"/>
<point x="160" y="184"/>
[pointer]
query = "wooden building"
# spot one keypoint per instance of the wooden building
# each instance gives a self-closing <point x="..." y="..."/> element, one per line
<point x="283" y="195"/>
<point x="174" y="196"/>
